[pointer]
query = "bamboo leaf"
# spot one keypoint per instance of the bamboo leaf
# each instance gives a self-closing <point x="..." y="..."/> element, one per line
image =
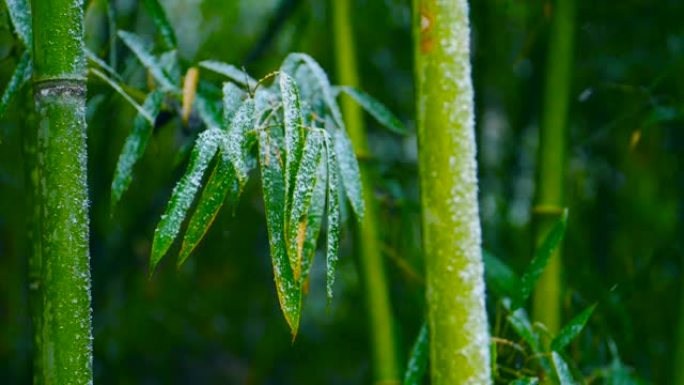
<point x="117" y="87"/>
<point x="376" y="109"/>
<point x="20" y="14"/>
<point x="562" y="369"/>
<point x="208" y="105"/>
<point x="500" y="278"/>
<point x="526" y="381"/>
<point x="304" y="184"/>
<point x="162" y="23"/>
<point x="319" y="82"/>
<point x="273" y="179"/>
<point x="236" y="145"/>
<point x="572" y="329"/>
<point x="90" y="55"/>
<point x="349" y="171"/>
<point x="540" y="260"/>
<point x="135" y="145"/>
<point x="314" y="220"/>
<point x="230" y="71"/>
<point x="333" y="241"/>
<point x="418" y="361"/>
<point x="184" y="194"/>
<point x="232" y="100"/>
<point x="21" y="74"/>
<point x="153" y="64"/>
<point x="221" y="183"/>
<point x="521" y="325"/>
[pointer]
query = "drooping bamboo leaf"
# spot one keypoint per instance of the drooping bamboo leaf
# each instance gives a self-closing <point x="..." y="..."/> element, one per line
<point x="572" y="329"/>
<point x="230" y="71"/>
<point x="521" y="325"/>
<point x="349" y="171"/>
<point x="153" y="64"/>
<point x="184" y="194"/>
<point x="162" y="23"/>
<point x="232" y="100"/>
<point x="333" y="241"/>
<point x="117" y="87"/>
<point x="304" y="183"/>
<point x="273" y="180"/>
<point x="235" y="145"/>
<point x="314" y="221"/>
<point x="319" y="81"/>
<point x="562" y="369"/>
<point x="21" y="75"/>
<point x="540" y="260"/>
<point x="526" y="381"/>
<point x="221" y="185"/>
<point x="135" y="145"/>
<point x="499" y="277"/>
<point x="376" y="109"/>
<point x="20" y="14"/>
<point x="418" y="360"/>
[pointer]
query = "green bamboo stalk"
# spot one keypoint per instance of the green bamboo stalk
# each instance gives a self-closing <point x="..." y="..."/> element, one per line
<point x="459" y="340"/>
<point x="372" y="269"/>
<point x="552" y="149"/>
<point x="59" y="90"/>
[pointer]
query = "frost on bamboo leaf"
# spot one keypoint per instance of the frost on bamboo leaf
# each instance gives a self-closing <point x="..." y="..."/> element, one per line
<point x="377" y="110"/>
<point x="20" y="76"/>
<point x="418" y="361"/>
<point x="20" y="14"/>
<point x="349" y="171"/>
<point x="183" y="195"/>
<point x="235" y="146"/>
<point x="135" y="145"/>
<point x="157" y="67"/>
<point x="333" y="241"/>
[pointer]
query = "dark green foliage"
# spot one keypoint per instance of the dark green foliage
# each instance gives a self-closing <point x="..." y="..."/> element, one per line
<point x="418" y="360"/>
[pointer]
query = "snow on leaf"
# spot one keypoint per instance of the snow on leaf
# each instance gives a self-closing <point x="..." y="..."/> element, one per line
<point x="314" y="221"/>
<point x="417" y="365"/>
<point x="572" y="329"/>
<point x="162" y="23"/>
<point x="135" y="145"/>
<point x="333" y="241"/>
<point x="294" y="142"/>
<point x="222" y="182"/>
<point x="20" y="14"/>
<point x="153" y="64"/>
<point x="349" y="171"/>
<point x="562" y="369"/>
<point x="21" y="75"/>
<point x="184" y="194"/>
<point x="232" y="99"/>
<point x="235" y="146"/>
<point x="303" y="187"/>
<point x="377" y="110"/>
<point x="273" y="181"/>
<point x="230" y="71"/>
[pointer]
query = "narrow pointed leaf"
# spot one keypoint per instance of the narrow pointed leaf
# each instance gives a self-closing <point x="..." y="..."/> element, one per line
<point x="21" y="74"/>
<point x="526" y="381"/>
<point x="500" y="278"/>
<point x="273" y="179"/>
<point x="235" y="145"/>
<point x="184" y="194"/>
<point x="304" y="184"/>
<point x="170" y="65"/>
<point x="376" y="109"/>
<point x="117" y="87"/>
<point x="349" y="171"/>
<point x="230" y="71"/>
<point x="153" y="64"/>
<point x="90" y="55"/>
<point x="521" y="325"/>
<point x="135" y="145"/>
<point x="162" y="23"/>
<point x="314" y="220"/>
<point x="232" y="100"/>
<point x="418" y="361"/>
<point x="20" y="14"/>
<point x="572" y="329"/>
<point x="221" y="186"/>
<point x="562" y="369"/>
<point x="333" y="241"/>
<point x="540" y="260"/>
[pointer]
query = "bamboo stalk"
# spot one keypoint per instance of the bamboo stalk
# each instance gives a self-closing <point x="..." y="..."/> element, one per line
<point x="372" y="268"/>
<point x="552" y="149"/>
<point x="59" y="91"/>
<point x="459" y="340"/>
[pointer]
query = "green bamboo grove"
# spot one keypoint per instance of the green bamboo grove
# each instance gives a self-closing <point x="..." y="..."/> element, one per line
<point x="552" y="150"/>
<point x="459" y="341"/>
<point x="381" y="323"/>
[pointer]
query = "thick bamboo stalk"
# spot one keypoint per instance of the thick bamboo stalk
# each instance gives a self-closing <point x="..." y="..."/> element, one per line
<point x="59" y="91"/>
<point x="459" y="340"/>
<point x="552" y="150"/>
<point x="381" y="322"/>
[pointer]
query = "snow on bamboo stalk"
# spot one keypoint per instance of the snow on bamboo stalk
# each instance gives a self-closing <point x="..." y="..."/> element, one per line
<point x="372" y="269"/>
<point x="459" y="338"/>
<point x="551" y="174"/>
<point x="60" y="90"/>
